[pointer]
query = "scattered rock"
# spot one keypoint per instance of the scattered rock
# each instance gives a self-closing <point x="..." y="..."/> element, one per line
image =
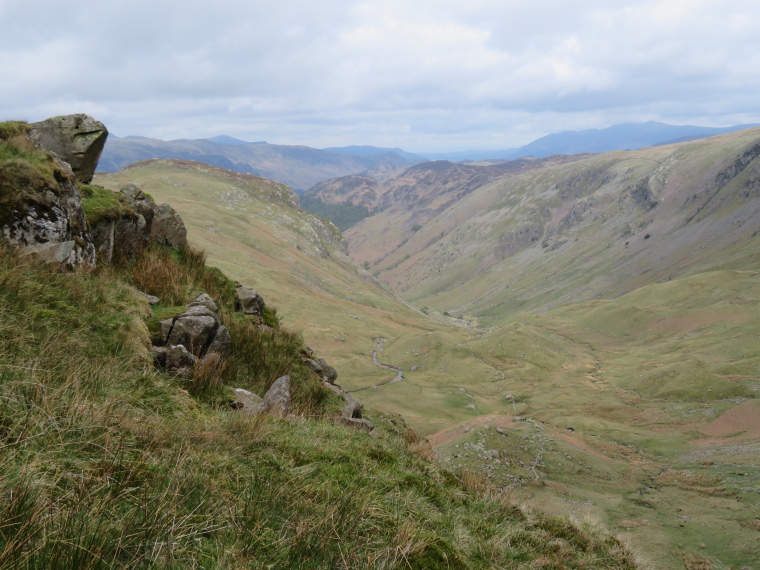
<point x="152" y="300"/>
<point x="360" y="424"/>
<point x="313" y="365"/>
<point x="205" y="300"/>
<point x="277" y="398"/>
<point x="158" y="353"/>
<point x="352" y="409"/>
<point x="415" y="368"/>
<point x="180" y="362"/>
<point x="248" y="301"/>
<point x="328" y="372"/>
<point x="245" y="400"/>
<point x="194" y="332"/>
<point x="222" y="343"/>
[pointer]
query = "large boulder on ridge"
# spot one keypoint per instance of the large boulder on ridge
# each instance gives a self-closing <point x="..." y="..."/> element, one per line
<point x="76" y="139"/>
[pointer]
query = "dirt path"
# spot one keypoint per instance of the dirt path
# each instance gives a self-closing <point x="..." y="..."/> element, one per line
<point x="399" y="372"/>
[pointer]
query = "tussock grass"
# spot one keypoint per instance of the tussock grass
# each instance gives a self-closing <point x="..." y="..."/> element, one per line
<point x="101" y="204"/>
<point x="107" y="463"/>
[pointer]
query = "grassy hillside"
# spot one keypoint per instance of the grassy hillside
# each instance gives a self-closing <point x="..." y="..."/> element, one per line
<point x="109" y="463"/>
<point x="607" y="409"/>
<point x="595" y="228"/>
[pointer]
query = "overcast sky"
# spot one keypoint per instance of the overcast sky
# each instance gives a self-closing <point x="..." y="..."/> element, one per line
<point x="424" y="75"/>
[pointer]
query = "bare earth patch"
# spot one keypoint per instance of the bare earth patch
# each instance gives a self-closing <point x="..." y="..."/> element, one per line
<point x="740" y="422"/>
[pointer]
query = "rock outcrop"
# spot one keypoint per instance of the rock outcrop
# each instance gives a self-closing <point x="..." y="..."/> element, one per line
<point x="76" y="139"/>
<point x="188" y="338"/>
<point x="40" y="205"/>
<point x="138" y="222"/>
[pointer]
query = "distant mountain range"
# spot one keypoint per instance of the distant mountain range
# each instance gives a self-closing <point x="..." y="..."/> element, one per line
<point x="302" y="167"/>
<point x="626" y="136"/>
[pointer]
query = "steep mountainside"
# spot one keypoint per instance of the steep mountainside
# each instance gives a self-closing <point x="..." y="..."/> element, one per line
<point x="430" y="187"/>
<point x="296" y="166"/>
<point x="597" y="227"/>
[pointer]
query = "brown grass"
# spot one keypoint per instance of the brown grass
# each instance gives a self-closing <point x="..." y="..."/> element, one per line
<point x="699" y="483"/>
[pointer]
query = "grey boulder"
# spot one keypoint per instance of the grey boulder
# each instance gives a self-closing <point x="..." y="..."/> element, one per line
<point x="76" y="139"/>
<point x="248" y="301"/>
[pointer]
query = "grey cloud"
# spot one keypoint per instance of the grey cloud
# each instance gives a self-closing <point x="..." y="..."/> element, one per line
<point x="438" y="72"/>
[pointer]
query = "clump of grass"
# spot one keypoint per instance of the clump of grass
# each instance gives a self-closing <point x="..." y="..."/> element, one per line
<point x="101" y="204"/>
<point x="697" y="562"/>
<point x="157" y="272"/>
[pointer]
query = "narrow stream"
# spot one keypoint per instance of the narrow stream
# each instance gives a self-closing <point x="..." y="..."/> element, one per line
<point x="399" y="372"/>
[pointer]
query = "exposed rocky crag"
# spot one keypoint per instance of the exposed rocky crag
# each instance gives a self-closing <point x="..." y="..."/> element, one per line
<point x="76" y="139"/>
<point x="138" y="221"/>
<point x="45" y="210"/>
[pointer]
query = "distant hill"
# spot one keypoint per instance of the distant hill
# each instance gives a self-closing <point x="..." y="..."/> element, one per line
<point x="297" y="166"/>
<point x="625" y="136"/>
<point x="224" y="139"/>
<point x="373" y="151"/>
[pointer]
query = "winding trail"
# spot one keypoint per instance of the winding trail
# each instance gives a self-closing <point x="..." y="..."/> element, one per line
<point x="399" y="372"/>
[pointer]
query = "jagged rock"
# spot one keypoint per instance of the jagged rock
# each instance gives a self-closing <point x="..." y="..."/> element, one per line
<point x="42" y="212"/>
<point x="328" y="372"/>
<point x="277" y="398"/>
<point x="166" y="328"/>
<point x="222" y="342"/>
<point x="205" y="300"/>
<point x="195" y="332"/>
<point x="141" y="222"/>
<point x="248" y="301"/>
<point x="245" y="400"/>
<point x="352" y="409"/>
<point x="168" y="228"/>
<point x="62" y="253"/>
<point x="180" y="362"/>
<point x="158" y="353"/>
<point x="76" y="139"/>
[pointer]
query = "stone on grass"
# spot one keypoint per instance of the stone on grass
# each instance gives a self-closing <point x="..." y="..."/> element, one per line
<point x="194" y="332"/>
<point x="179" y="361"/>
<point x="248" y="301"/>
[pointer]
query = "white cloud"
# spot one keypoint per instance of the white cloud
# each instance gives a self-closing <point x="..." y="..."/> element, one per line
<point x="432" y="74"/>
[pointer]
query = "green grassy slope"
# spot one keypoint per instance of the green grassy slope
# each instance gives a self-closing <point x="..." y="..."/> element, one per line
<point x="646" y="380"/>
<point x="294" y="260"/>
<point x="108" y="463"/>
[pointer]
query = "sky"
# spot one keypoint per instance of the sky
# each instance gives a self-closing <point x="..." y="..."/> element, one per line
<point x="423" y="75"/>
